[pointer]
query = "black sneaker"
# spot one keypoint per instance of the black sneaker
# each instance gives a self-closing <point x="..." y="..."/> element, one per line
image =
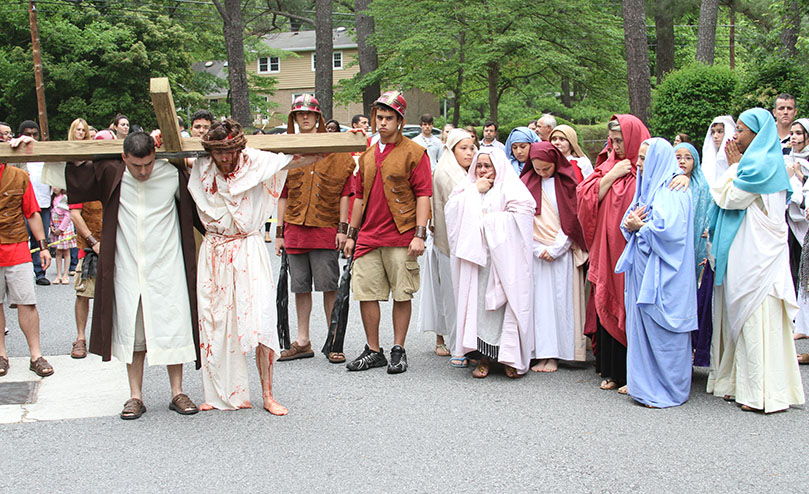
<point x="368" y="360"/>
<point x="43" y="281"/>
<point x="398" y="360"/>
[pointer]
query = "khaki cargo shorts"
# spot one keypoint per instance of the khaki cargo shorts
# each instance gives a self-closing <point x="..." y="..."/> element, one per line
<point x="84" y="288"/>
<point x="383" y="271"/>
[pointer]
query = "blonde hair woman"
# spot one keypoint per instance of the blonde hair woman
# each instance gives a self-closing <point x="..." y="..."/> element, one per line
<point x="79" y="131"/>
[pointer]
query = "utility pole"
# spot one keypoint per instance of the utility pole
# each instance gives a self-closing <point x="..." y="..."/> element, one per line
<point x="38" y="81"/>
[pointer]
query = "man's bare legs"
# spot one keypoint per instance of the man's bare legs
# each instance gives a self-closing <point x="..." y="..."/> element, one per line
<point x="370" y="321"/>
<point x="264" y="361"/>
<point x="29" y="323"/>
<point x="303" y="308"/>
<point x="82" y="310"/>
<point x="134" y="372"/>
<point x="401" y="321"/>
<point x="369" y="310"/>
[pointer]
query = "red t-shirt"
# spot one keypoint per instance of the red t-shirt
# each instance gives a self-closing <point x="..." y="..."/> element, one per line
<point x="19" y="253"/>
<point x="379" y="229"/>
<point x="300" y="239"/>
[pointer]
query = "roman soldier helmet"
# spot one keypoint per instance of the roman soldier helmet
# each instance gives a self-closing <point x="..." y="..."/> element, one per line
<point x="393" y="100"/>
<point x="305" y="102"/>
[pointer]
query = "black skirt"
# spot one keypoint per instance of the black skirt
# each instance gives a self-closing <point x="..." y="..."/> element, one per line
<point x="610" y="356"/>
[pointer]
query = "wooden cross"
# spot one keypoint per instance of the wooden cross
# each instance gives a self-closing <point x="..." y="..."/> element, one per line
<point x="174" y="145"/>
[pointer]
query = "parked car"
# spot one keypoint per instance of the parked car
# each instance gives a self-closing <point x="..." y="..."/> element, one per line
<point x="412" y="131"/>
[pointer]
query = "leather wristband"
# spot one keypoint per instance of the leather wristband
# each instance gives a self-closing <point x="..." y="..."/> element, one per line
<point x="342" y="227"/>
<point x="43" y="245"/>
<point x="421" y="232"/>
<point x="279" y="231"/>
<point x="352" y="232"/>
<point x="91" y="240"/>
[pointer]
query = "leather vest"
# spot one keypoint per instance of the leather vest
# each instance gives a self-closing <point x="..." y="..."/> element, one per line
<point x="396" y="170"/>
<point x="92" y="213"/>
<point x="13" y="185"/>
<point x="314" y="191"/>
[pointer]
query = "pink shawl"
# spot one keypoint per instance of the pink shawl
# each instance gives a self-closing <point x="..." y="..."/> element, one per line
<point x="508" y="224"/>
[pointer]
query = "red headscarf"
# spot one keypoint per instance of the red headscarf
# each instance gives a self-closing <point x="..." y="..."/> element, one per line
<point x="601" y="226"/>
<point x="564" y="183"/>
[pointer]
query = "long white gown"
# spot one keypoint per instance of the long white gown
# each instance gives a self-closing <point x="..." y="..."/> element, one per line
<point x="150" y="284"/>
<point x="235" y="288"/>
<point x="752" y="351"/>
<point x="558" y="294"/>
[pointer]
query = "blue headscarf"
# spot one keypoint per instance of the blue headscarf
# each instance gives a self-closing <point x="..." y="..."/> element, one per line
<point x="658" y="258"/>
<point x="761" y="171"/>
<point x="701" y="201"/>
<point x="520" y="134"/>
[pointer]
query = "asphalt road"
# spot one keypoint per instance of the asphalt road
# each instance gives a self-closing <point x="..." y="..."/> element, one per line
<point x="432" y="429"/>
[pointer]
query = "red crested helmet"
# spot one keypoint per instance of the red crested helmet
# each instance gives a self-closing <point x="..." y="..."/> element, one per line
<point x="395" y="101"/>
<point x="306" y="102"/>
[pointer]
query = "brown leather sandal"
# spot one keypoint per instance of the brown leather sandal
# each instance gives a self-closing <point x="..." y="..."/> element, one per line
<point x="481" y="371"/>
<point x="133" y="409"/>
<point x="297" y="351"/>
<point x="183" y="405"/>
<point x="41" y="367"/>
<point x="79" y="349"/>
<point x="337" y="357"/>
<point x="3" y="366"/>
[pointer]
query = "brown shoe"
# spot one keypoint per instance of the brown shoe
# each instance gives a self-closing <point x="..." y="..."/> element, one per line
<point x="297" y="352"/>
<point x="79" y="349"/>
<point x="183" y="405"/>
<point x="133" y="409"/>
<point x="3" y="366"/>
<point x="41" y="367"/>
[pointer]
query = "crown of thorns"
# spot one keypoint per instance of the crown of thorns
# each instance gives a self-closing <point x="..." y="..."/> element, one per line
<point x="233" y="142"/>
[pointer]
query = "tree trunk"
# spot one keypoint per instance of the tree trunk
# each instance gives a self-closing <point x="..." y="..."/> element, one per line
<point x="324" y="53"/>
<point x="706" y="34"/>
<point x="732" y="50"/>
<point x="237" y="73"/>
<point x="493" y="77"/>
<point x="368" y="59"/>
<point x="566" y="92"/>
<point x="456" y="102"/>
<point x="664" y="31"/>
<point x="791" y="21"/>
<point x="637" y="59"/>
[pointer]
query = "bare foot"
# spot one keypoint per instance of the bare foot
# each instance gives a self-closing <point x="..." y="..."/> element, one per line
<point x="799" y="336"/>
<point x="275" y="408"/>
<point x="552" y="365"/>
<point x="608" y="385"/>
<point x="540" y="365"/>
<point x="746" y="408"/>
<point x="622" y="390"/>
<point x="205" y="407"/>
<point x="246" y="404"/>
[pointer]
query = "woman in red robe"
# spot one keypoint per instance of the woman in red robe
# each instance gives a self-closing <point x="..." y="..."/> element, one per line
<point x="603" y="198"/>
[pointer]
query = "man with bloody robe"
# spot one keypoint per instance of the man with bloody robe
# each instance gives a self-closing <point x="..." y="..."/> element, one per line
<point x="146" y="276"/>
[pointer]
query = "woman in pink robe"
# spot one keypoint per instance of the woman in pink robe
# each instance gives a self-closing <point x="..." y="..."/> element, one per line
<point x="489" y="220"/>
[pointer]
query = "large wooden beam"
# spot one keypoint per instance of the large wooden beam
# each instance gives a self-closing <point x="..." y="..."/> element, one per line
<point x="60" y="151"/>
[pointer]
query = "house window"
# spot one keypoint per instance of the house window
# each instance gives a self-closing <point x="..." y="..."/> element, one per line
<point x="337" y="60"/>
<point x="269" y="65"/>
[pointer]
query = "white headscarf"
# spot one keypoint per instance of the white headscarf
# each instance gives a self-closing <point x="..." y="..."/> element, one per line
<point x="447" y="174"/>
<point x="714" y="162"/>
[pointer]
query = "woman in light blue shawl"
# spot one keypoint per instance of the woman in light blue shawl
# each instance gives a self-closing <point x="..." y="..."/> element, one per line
<point x="752" y="353"/>
<point x="517" y="146"/>
<point x="659" y="293"/>
<point x="688" y="158"/>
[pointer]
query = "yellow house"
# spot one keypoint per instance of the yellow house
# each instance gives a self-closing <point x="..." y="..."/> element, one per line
<point x="295" y="72"/>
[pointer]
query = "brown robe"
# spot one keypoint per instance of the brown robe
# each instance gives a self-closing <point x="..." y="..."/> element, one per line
<point x="101" y="181"/>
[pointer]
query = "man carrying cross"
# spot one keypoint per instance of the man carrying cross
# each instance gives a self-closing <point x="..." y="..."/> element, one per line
<point x="145" y="296"/>
<point x="236" y="189"/>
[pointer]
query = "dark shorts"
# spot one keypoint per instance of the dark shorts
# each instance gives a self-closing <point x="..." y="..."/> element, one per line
<point x="321" y="266"/>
